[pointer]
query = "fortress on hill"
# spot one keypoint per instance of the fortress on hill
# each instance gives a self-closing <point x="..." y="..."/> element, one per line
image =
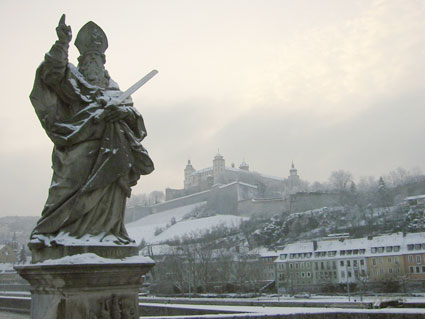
<point x="240" y="191"/>
<point x="196" y="181"/>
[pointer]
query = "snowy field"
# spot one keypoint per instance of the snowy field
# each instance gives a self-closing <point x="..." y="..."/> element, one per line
<point x="144" y="228"/>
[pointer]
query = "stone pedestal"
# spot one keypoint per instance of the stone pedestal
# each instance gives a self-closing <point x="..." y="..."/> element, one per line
<point x="85" y="287"/>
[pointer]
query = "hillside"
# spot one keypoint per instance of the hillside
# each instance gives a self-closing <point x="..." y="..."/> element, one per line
<point x="190" y="220"/>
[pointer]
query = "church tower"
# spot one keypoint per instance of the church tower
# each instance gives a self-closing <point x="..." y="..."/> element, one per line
<point x="218" y="166"/>
<point x="293" y="178"/>
<point x="188" y="171"/>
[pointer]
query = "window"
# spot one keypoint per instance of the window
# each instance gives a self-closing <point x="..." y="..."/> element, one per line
<point x="380" y="249"/>
<point x="374" y="262"/>
<point x="308" y="274"/>
<point x="303" y="274"/>
<point x="418" y="269"/>
<point x="396" y="248"/>
<point x="341" y="263"/>
<point x="291" y="256"/>
<point x="373" y="250"/>
<point x="328" y="265"/>
<point x="417" y="246"/>
<point x="410" y="258"/>
<point x="389" y="260"/>
<point x="349" y="274"/>
<point x="410" y="247"/>
<point x="282" y="256"/>
<point x="396" y="259"/>
<point x="333" y="264"/>
<point x="307" y="264"/>
<point x="381" y="271"/>
<point x="342" y="274"/>
<point x="322" y="265"/>
<point x="363" y="272"/>
<point x="362" y="262"/>
<point x="362" y="251"/>
<point x="355" y="263"/>
<point x="418" y="259"/>
<point x="389" y="249"/>
<point x="302" y="265"/>
<point x="316" y="266"/>
<point x="349" y="252"/>
<point x="411" y="269"/>
<point x="296" y="265"/>
<point x="355" y="252"/>
<point x="390" y="270"/>
<point x="342" y="252"/>
<point x="348" y="263"/>
<point x="290" y="266"/>
<point x="423" y="268"/>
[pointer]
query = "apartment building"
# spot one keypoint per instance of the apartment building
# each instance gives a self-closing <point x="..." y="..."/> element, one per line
<point x="310" y="265"/>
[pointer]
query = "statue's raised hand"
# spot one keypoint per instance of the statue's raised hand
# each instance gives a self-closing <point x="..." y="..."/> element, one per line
<point x="63" y="31"/>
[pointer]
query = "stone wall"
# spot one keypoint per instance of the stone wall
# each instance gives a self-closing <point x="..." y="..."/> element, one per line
<point x="182" y="201"/>
<point x="15" y="304"/>
<point x="262" y="207"/>
<point x="303" y="201"/>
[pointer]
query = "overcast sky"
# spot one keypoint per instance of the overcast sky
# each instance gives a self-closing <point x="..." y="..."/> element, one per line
<point x="328" y="84"/>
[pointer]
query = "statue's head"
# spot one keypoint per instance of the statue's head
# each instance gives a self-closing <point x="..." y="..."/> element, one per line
<point x="92" y="43"/>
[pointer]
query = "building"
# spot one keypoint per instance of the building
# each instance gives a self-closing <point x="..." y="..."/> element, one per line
<point x="204" y="179"/>
<point x="8" y="254"/>
<point x="373" y="260"/>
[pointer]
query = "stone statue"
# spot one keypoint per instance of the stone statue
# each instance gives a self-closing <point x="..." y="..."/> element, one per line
<point x="97" y="155"/>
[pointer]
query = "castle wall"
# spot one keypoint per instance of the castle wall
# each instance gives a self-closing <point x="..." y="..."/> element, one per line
<point x="303" y="201"/>
<point x="181" y="201"/>
<point x="263" y="207"/>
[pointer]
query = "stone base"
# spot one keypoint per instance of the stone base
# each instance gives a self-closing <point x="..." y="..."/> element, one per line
<point x="41" y="253"/>
<point x="85" y="291"/>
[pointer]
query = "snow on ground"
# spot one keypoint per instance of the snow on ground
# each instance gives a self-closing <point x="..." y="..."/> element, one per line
<point x="197" y="226"/>
<point x="144" y="228"/>
<point x="6" y="267"/>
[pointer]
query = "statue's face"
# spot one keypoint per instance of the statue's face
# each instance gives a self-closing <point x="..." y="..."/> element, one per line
<point x="93" y="68"/>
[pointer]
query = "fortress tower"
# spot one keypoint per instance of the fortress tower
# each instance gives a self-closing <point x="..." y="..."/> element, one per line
<point x="188" y="171"/>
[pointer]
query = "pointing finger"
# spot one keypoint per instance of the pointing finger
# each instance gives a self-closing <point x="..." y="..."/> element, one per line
<point x="62" y="20"/>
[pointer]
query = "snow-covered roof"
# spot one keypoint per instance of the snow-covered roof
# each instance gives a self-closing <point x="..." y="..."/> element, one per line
<point x="263" y="252"/>
<point x="415" y="197"/>
<point x="358" y="243"/>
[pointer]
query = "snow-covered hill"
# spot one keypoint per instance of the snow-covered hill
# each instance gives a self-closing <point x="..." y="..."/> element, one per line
<point x="145" y="228"/>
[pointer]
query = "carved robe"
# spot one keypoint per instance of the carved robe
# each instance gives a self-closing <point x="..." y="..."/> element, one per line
<point x="94" y="162"/>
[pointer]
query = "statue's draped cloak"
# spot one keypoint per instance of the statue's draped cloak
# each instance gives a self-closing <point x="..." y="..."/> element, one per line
<point x="94" y="162"/>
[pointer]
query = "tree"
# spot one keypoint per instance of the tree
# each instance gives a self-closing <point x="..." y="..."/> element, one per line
<point x="22" y="258"/>
<point x="384" y="199"/>
<point x="339" y="179"/>
<point x="156" y="197"/>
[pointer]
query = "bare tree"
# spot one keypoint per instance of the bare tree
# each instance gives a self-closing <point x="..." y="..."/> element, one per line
<point x="339" y="180"/>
